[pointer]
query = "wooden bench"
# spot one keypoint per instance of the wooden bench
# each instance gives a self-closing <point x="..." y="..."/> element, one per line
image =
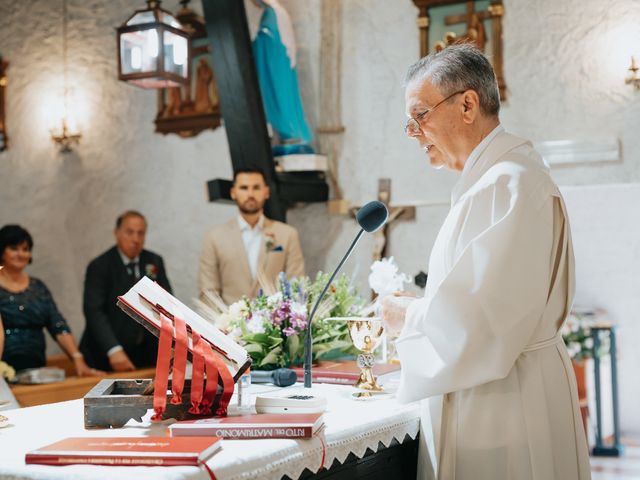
<point x="71" y="388"/>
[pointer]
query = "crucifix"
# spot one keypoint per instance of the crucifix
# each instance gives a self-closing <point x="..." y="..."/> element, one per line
<point x="396" y="212"/>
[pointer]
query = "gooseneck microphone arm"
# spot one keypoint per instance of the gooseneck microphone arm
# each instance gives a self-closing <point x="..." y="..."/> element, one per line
<point x="307" y="338"/>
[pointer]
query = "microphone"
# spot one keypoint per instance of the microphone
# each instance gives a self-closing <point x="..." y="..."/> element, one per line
<point x="282" y="377"/>
<point x="370" y="218"/>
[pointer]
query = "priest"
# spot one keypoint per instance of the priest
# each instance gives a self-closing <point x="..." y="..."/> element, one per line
<point x="482" y="348"/>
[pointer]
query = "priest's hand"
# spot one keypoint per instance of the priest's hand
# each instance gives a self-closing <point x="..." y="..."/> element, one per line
<point x="120" y="362"/>
<point x="394" y="308"/>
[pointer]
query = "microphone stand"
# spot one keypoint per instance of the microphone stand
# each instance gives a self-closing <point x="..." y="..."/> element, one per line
<point x="307" y="338"/>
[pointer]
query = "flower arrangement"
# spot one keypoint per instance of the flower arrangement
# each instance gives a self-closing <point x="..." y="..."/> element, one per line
<point x="272" y="326"/>
<point x="578" y="337"/>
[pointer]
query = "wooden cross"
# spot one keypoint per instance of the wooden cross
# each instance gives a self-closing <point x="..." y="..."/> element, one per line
<point x="473" y="19"/>
<point x="396" y="212"/>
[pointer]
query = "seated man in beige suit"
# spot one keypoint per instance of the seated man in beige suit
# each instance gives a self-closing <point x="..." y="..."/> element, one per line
<point x="234" y="252"/>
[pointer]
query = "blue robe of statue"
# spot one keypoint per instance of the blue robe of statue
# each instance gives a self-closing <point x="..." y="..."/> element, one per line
<point x="279" y="82"/>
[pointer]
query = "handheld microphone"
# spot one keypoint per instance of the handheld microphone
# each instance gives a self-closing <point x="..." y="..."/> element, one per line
<point x="282" y="377"/>
<point x="370" y="218"/>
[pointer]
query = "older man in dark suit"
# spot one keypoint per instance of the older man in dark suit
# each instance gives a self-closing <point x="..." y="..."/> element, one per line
<point x="112" y="340"/>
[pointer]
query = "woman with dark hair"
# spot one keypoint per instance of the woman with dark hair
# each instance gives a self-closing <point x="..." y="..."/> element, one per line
<point x="26" y="307"/>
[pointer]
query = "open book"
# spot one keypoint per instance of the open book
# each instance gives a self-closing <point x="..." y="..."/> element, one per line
<point x="217" y="360"/>
<point x="146" y="300"/>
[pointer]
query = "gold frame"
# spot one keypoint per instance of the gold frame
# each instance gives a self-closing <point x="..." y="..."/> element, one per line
<point x="4" y="142"/>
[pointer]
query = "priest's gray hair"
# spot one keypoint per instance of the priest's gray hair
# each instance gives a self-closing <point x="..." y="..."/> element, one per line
<point x="457" y="68"/>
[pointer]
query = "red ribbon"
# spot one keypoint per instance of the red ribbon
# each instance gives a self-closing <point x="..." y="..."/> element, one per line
<point x="227" y="385"/>
<point x="162" y="368"/>
<point x="204" y="465"/>
<point x="179" y="360"/>
<point x="211" y="387"/>
<point x="197" y="374"/>
<point x="324" y="450"/>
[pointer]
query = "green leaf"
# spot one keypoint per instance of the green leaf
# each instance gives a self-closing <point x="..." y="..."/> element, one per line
<point x="293" y="343"/>
<point x="257" y="338"/>
<point x="253" y="348"/>
<point x="272" y="357"/>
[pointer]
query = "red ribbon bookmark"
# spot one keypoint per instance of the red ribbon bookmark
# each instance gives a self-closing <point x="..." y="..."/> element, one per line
<point x="197" y="374"/>
<point x="162" y="368"/>
<point x="179" y="360"/>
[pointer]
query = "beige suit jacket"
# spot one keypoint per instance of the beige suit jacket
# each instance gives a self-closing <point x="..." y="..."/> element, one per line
<point x="224" y="265"/>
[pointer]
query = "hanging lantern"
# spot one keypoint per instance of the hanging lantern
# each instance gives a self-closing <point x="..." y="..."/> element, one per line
<point x="153" y="49"/>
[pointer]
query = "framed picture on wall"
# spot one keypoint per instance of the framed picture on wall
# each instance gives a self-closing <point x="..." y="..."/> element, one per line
<point x="445" y="22"/>
<point x="189" y="110"/>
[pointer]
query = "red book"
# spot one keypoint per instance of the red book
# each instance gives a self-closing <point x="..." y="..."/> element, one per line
<point x="289" y="425"/>
<point x="126" y="451"/>
<point x="342" y="373"/>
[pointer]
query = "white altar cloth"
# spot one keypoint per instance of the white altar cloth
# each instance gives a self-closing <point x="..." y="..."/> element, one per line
<point x="351" y="426"/>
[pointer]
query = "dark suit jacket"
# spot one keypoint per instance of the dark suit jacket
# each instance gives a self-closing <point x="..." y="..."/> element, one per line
<point x="107" y="325"/>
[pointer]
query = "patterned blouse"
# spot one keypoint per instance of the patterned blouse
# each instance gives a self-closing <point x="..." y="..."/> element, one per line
<point x="24" y="315"/>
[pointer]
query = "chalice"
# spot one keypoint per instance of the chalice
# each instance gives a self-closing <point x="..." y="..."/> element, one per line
<point x="366" y="335"/>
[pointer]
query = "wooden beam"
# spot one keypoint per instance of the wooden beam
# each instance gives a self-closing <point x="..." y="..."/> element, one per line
<point x="240" y="99"/>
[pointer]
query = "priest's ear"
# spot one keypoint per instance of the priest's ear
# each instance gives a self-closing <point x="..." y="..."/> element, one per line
<point x="470" y="106"/>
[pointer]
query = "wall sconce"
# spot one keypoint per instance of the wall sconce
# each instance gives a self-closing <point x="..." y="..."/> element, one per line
<point x="64" y="137"/>
<point x="153" y="49"/>
<point x="633" y="78"/>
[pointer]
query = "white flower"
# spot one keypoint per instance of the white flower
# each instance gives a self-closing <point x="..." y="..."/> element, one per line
<point x="256" y="324"/>
<point x="588" y="343"/>
<point x="275" y="298"/>
<point x="238" y="310"/>
<point x="385" y="279"/>
<point x="222" y="321"/>
<point x="299" y="308"/>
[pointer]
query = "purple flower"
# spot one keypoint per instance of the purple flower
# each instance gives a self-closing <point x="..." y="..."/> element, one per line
<point x="289" y="331"/>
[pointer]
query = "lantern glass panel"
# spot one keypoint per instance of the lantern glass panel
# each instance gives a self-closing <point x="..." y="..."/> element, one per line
<point x="146" y="16"/>
<point x="176" y="48"/>
<point x="139" y="51"/>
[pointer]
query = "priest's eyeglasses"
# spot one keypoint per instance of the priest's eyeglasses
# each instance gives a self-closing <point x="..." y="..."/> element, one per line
<point x="413" y="124"/>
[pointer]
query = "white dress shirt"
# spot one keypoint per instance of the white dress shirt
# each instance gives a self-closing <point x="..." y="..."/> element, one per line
<point x="253" y="241"/>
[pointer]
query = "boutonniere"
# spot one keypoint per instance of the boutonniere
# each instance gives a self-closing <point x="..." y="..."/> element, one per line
<point x="270" y="243"/>
<point x="151" y="271"/>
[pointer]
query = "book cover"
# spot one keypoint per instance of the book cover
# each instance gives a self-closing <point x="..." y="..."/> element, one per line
<point x="290" y="425"/>
<point x="342" y="373"/>
<point x="126" y="451"/>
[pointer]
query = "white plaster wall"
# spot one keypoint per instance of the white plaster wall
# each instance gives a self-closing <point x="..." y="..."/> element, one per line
<point x="606" y="237"/>
<point x="565" y="63"/>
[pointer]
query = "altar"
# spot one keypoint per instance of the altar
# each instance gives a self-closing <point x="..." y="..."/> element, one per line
<point x="376" y="437"/>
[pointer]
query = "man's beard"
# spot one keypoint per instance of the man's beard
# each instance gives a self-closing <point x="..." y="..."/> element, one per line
<point x="251" y="210"/>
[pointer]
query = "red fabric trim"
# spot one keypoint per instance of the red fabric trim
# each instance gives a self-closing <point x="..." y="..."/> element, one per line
<point x="197" y="374"/>
<point x="179" y="360"/>
<point x="162" y="368"/>
<point x="211" y="386"/>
